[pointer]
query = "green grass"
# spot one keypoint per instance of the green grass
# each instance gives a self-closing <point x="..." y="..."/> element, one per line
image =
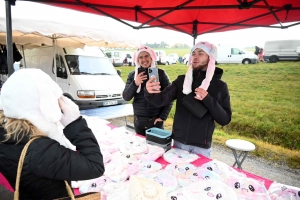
<point x="265" y="102"/>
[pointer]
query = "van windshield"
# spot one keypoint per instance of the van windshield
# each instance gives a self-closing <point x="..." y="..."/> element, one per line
<point x="88" y="65"/>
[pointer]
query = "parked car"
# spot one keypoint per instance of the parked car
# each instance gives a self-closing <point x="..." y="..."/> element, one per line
<point x="115" y="57"/>
<point x="281" y="50"/>
<point x="82" y="74"/>
<point x="229" y="54"/>
<point x="172" y="58"/>
<point x="185" y="59"/>
<point x="161" y="57"/>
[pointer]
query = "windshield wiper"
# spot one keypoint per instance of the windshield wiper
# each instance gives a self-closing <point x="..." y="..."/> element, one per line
<point x="84" y="73"/>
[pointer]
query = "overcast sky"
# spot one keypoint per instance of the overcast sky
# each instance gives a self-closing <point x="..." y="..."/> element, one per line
<point x="240" y="38"/>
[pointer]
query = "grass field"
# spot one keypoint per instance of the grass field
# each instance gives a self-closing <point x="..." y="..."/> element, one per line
<point x="265" y="101"/>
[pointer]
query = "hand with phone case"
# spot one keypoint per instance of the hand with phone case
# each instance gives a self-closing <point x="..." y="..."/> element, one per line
<point x="153" y="72"/>
<point x="153" y="85"/>
<point x="141" y="77"/>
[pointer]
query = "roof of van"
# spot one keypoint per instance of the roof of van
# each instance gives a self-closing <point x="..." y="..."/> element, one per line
<point x="281" y="40"/>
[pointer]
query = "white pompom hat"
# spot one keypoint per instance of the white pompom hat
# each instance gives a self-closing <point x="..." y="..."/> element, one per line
<point x="136" y="56"/>
<point x="32" y="95"/>
<point x="212" y="52"/>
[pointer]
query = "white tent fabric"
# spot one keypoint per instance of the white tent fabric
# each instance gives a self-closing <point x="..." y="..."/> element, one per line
<point x="31" y="33"/>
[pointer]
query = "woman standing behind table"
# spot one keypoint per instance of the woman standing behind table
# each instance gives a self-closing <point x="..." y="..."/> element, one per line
<point x="51" y="158"/>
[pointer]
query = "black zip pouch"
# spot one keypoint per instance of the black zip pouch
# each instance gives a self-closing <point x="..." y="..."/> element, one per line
<point x="195" y="106"/>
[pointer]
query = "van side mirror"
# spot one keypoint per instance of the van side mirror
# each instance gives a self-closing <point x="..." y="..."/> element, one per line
<point x="119" y="72"/>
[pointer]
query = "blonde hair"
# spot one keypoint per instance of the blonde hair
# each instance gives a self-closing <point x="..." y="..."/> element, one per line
<point x="18" y="128"/>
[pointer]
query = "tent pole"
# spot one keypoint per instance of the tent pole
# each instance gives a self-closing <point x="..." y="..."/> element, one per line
<point x="23" y="55"/>
<point x="54" y="58"/>
<point x="9" y="39"/>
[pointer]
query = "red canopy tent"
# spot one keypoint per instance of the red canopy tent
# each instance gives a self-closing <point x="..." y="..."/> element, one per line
<point x="193" y="17"/>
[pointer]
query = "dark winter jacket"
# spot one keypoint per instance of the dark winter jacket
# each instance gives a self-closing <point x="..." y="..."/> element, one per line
<point x="141" y="107"/>
<point x="47" y="164"/>
<point x="188" y="129"/>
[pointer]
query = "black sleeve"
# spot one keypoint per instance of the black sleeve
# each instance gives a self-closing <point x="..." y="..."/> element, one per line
<point x="165" y="97"/>
<point x="51" y="160"/>
<point x="220" y="111"/>
<point x="130" y="88"/>
<point x="165" y="82"/>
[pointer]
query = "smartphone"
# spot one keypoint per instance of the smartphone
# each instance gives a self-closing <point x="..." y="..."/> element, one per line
<point x="141" y="69"/>
<point x="153" y="72"/>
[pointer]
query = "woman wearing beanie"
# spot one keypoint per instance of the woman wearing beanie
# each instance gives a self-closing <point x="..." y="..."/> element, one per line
<point x="146" y="115"/>
<point x="32" y="105"/>
<point x="195" y="117"/>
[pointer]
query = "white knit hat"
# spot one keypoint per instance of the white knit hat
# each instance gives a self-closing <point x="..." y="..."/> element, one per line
<point x="211" y="51"/>
<point x="137" y="65"/>
<point x="32" y="95"/>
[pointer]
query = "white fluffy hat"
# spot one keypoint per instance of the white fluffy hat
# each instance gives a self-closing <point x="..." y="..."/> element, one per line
<point x="136" y="56"/>
<point x="32" y="95"/>
<point x="212" y="52"/>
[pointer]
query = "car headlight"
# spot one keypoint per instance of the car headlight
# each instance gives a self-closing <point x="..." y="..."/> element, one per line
<point x="86" y="94"/>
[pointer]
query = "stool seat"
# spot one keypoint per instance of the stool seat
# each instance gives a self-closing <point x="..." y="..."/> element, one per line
<point x="240" y="145"/>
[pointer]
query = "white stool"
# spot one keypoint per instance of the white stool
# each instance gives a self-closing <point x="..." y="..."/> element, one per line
<point x="240" y="145"/>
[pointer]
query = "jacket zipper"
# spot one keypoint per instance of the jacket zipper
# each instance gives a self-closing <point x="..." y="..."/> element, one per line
<point x="187" y="131"/>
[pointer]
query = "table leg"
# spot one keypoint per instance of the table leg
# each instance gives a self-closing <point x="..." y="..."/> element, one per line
<point x="128" y="125"/>
<point x="237" y="158"/>
<point x="235" y="155"/>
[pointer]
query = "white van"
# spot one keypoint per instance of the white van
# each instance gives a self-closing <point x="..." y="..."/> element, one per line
<point x="227" y="54"/>
<point x="173" y="58"/>
<point x="281" y="50"/>
<point x="115" y="57"/>
<point x="161" y="57"/>
<point x="85" y="75"/>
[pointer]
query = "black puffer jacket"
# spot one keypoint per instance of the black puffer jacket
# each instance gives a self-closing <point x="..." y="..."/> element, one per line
<point x="141" y="107"/>
<point x="188" y="129"/>
<point x="47" y="164"/>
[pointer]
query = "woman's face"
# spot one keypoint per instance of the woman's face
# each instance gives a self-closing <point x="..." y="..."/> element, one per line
<point x="144" y="59"/>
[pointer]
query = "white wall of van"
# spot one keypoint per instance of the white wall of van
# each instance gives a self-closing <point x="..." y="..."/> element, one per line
<point x="281" y="50"/>
<point x="161" y="57"/>
<point x="85" y="75"/>
<point x="115" y="57"/>
<point x="229" y="54"/>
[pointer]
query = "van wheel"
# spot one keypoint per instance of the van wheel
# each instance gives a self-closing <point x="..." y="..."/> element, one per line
<point x="273" y="59"/>
<point x="246" y="61"/>
<point x="167" y="63"/>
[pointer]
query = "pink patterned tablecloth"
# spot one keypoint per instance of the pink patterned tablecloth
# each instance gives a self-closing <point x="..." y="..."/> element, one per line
<point x="200" y="161"/>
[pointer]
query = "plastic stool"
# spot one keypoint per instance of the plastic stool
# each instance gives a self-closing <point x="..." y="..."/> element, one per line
<point x="240" y="145"/>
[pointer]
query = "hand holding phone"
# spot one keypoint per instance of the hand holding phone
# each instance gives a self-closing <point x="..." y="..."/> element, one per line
<point x="140" y="77"/>
<point x="153" y="72"/>
<point x="141" y="69"/>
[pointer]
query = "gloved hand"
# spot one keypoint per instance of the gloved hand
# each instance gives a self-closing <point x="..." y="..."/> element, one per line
<point x="70" y="111"/>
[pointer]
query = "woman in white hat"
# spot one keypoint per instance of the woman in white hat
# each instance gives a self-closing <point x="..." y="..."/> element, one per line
<point x="146" y="115"/>
<point x="32" y="105"/>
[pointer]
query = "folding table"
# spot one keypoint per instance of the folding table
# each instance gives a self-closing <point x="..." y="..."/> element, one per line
<point x="110" y="112"/>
